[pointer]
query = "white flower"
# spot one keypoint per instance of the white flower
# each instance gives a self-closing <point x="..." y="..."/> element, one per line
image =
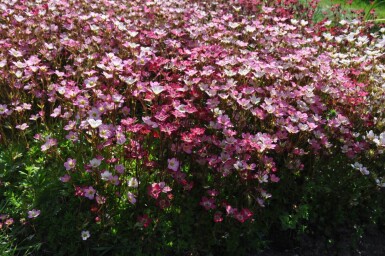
<point x="380" y="183"/>
<point x="360" y="168"/>
<point x="85" y="234"/>
<point x="3" y="63"/>
<point x="15" y="53"/>
<point x="294" y="21"/>
<point x="380" y="140"/>
<point x="250" y="29"/>
<point x="95" y="162"/>
<point x="156" y="88"/>
<point x="106" y="175"/>
<point x="327" y="36"/>
<point x="233" y="25"/>
<point x="304" y="23"/>
<point x="133" y="182"/>
<point x="133" y="33"/>
<point x="370" y="135"/>
<point x="328" y="23"/>
<point x="94" y="123"/>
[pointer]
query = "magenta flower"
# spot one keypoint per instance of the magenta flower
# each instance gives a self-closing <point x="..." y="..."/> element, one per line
<point x="208" y="203"/>
<point x="218" y="217"/>
<point x="154" y="190"/>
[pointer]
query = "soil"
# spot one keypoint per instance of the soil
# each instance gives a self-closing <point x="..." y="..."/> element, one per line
<point x="372" y="243"/>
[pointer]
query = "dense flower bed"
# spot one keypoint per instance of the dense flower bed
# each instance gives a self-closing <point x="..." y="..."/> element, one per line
<point x="144" y="104"/>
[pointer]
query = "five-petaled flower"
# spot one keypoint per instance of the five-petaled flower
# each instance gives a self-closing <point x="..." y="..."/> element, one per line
<point x="70" y="164"/>
<point x="89" y="192"/>
<point x="208" y="203"/>
<point x="173" y="164"/>
<point x="85" y="234"/>
<point x="33" y="213"/>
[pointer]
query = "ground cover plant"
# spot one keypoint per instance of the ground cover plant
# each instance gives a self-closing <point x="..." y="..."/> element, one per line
<point x="186" y="127"/>
<point x="373" y="10"/>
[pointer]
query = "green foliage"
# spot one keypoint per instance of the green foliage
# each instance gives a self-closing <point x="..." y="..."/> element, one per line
<point x="322" y="200"/>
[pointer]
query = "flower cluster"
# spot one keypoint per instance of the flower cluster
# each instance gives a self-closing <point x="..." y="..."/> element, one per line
<point x="149" y="93"/>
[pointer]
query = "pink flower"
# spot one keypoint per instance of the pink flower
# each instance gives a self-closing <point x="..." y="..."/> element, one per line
<point x="120" y="138"/>
<point x="165" y="189"/>
<point x="156" y="88"/>
<point x="131" y="197"/>
<point x="56" y="112"/>
<point x="242" y="215"/>
<point x="218" y="217"/>
<point x="208" y="203"/>
<point x="9" y="222"/>
<point x="65" y="178"/>
<point x="22" y="127"/>
<point x="173" y="164"/>
<point x="247" y="213"/>
<point x="212" y="192"/>
<point x="33" y="213"/>
<point x="3" y="109"/>
<point x="154" y="190"/>
<point x="105" y="131"/>
<point x="239" y="217"/>
<point x="144" y="220"/>
<point x="48" y="144"/>
<point x="94" y="113"/>
<point x="114" y="180"/>
<point x="89" y="192"/>
<point x="91" y="82"/>
<point x="72" y="136"/>
<point x="70" y="164"/>
<point x="274" y="178"/>
<point x="119" y="168"/>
